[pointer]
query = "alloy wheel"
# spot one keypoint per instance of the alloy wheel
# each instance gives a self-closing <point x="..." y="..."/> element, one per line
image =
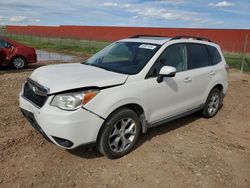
<point x="19" y="63"/>
<point x="213" y="103"/>
<point x="122" y="135"/>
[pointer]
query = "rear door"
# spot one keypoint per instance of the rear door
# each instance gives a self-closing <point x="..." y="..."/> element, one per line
<point x="200" y="70"/>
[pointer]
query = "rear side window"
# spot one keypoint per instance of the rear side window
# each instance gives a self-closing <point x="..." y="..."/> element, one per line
<point x="214" y="54"/>
<point x="198" y="56"/>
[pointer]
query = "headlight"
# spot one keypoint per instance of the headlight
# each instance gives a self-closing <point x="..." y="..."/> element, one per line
<point x="74" y="100"/>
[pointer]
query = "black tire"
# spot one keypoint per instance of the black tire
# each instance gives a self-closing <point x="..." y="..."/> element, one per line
<point x="18" y="62"/>
<point x="112" y="141"/>
<point x="212" y="106"/>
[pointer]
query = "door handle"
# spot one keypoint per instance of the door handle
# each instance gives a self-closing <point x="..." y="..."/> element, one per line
<point x="212" y="73"/>
<point x="187" y="80"/>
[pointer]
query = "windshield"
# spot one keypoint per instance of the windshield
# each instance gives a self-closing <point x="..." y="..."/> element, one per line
<point x="124" y="57"/>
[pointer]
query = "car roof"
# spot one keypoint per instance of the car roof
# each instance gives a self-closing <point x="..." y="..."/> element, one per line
<point x="149" y="40"/>
<point x="160" y="40"/>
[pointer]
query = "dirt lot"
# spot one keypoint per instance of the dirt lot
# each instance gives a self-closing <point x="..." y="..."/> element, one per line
<point x="191" y="152"/>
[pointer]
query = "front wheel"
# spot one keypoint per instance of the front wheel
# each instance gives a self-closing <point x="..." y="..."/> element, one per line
<point x="119" y="133"/>
<point x="18" y="63"/>
<point x="213" y="103"/>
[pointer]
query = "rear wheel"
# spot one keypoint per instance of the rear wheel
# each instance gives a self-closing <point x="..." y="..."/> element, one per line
<point x="213" y="103"/>
<point x="18" y="63"/>
<point x="119" y="134"/>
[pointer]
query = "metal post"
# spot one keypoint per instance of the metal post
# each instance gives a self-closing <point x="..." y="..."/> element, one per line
<point x="244" y="53"/>
<point x="61" y="51"/>
<point x="40" y="54"/>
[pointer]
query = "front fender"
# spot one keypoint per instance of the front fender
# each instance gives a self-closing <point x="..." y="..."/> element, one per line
<point x="111" y="99"/>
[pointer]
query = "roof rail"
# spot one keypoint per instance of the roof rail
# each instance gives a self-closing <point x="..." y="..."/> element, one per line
<point x="139" y="36"/>
<point x="194" y="37"/>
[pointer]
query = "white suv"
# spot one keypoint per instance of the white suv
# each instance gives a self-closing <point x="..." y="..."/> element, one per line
<point x="130" y="86"/>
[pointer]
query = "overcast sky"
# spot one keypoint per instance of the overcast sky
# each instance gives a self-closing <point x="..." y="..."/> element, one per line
<point x="149" y="13"/>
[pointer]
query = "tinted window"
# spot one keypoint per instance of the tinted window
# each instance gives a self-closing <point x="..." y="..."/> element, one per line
<point x="175" y="56"/>
<point x="214" y="54"/>
<point x="199" y="56"/>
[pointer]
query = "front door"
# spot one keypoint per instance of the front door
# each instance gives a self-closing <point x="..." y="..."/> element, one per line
<point x="172" y="96"/>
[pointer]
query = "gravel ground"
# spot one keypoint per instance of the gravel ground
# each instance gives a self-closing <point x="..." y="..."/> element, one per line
<point x="190" y="152"/>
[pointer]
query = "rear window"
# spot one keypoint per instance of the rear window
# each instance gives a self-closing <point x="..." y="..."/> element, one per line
<point x="199" y="56"/>
<point x="214" y="54"/>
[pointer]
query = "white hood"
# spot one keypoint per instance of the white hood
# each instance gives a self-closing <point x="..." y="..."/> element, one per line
<point x="75" y="75"/>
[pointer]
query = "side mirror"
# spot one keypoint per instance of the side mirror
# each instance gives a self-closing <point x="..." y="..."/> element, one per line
<point x="166" y="71"/>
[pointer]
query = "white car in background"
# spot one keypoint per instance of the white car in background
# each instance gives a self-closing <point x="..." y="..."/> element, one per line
<point x="130" y="86"/>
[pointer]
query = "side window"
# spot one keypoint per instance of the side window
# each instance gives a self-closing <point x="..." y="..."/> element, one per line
<point x="2" y="43"/>
<point x="175" y="56"/>
<point x="214" y="55"/>
<point x="199" y="56"/>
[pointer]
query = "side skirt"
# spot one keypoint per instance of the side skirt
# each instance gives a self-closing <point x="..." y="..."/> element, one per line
<point x="172" y="118"/>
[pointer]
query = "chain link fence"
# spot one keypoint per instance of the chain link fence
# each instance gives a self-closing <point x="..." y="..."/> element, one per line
<point x="53" y="48"/>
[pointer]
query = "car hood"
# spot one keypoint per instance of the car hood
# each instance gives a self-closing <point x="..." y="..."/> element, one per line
<point x="64" y="77"/>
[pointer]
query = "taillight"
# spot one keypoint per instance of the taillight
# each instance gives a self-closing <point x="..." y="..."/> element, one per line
<point x="227" y="68"/>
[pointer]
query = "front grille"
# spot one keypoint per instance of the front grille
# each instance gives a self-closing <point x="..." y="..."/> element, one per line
<point x="35" y="93"/>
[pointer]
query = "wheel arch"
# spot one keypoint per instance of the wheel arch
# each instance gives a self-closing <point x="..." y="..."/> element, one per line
<point x="216" y="84"/>
<point x="17" y="55"/>
<point x="219" y="86"/>
<point x="138" y="109"/>
<point x="206" y="112"/>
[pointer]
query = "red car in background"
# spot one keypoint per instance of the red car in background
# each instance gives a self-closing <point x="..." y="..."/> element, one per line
<point x="15" y="54"/>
